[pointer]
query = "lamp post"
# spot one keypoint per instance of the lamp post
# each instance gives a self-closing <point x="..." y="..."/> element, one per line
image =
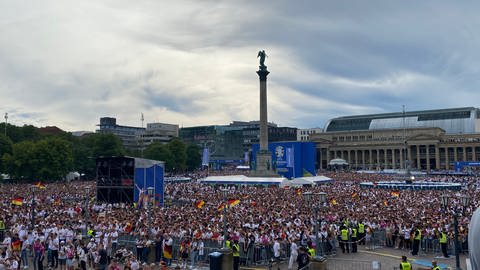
<point x="465" y="201"/>
<point x="312" y="197"/>
<point x="86" y="213"/>
<point x="224" y="193"/>
<point x="150" y="191"/>
<point x="32" y="188"/>
<point x="6" y="118"/>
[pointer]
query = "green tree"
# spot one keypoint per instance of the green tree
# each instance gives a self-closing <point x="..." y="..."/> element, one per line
<point x="22" y="163"/>
<point x="177" y="148"/>
<point x="193" y="158"/>
<point x="161" y="152"/>
<point x="6" y="147"/>
<point x="106" y="145"/>
<point x="54" y="158"/>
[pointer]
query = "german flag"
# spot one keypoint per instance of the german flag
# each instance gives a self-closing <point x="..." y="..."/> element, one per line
<point x="16" y="245"/>
<point x="40" y="185"/>
<point x="232" y="202"/>
<point x="354" y="195"/>
<point x="385" y="203"/>
<point x="395" y="193"/>
<point x="299" y="191"/>
<point x="221" y="206"/>
<point x="17" y="201"/>
<point x="200" y="204"/>
<point x="333" y="202"/>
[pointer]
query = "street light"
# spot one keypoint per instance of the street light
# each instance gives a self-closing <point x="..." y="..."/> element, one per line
<point x="32" y="188"/>
<point x="465" y="201"/>
<point x="86" y="213"/>
<point x="224" y="193"/>
<point x="322" y="198"/>
<point x="150" y="191"/>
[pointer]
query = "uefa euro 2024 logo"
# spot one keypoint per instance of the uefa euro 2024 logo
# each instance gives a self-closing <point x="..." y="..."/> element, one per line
<point x="279" y="152"/>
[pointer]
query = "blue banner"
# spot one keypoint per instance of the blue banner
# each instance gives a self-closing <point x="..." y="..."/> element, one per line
<point x="205" y="157"/>
<point x="290" y="157"/>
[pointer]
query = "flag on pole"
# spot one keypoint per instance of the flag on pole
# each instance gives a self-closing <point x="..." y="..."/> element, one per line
<point x="290" y="157"/>
<point x="299" y="191"/>
<point x="205" y="157"/>
<point x="221" y="206"/>
<point x="200" y="204"/>
<point x="40" y="185"/>
<point x="395" y="193"/>
<point x="233" y="202"/>
<point x="17" y="201"/>
<point x="385" y="203"/>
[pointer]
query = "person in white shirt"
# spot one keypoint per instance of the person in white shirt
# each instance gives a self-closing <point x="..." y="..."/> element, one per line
<point x="276" y="252"/>
<point x="293" y="253"/>
<point x="473" y="243"/>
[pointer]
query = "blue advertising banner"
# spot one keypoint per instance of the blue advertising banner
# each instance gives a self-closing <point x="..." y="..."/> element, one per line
<point x="290" y="159"/>
<point x="146" y="176"/>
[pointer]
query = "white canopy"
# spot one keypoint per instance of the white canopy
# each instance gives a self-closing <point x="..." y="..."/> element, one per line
<point x="338" y="161"/>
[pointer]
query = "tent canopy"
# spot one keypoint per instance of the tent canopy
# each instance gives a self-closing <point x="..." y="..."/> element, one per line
<point x="338" y="161"/>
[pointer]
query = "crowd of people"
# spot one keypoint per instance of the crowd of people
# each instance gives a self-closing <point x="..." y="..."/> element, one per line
<point x="69" y="232"/>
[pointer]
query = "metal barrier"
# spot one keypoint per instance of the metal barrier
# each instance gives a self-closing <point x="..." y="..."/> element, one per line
<point x="345" y="264"/>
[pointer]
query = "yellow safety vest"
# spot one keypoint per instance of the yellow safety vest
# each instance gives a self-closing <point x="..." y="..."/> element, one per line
<point x="354" y="232"/>
<point x="344" y="235"/>
<point x="436" y="268"/>
<point x="311" y="251"/>
<point x="227" y="243"/>
<point x="406" y="266"/>
<point x="361" y="228"/>
<point x="443" y="238"/>
<point x="90" y="232"/>
<point x="2" y="225"/>
<point x="236" y="250"/>
<point x="419" y="236"/>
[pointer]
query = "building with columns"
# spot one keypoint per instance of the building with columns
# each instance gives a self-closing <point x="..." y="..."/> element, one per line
<point x="427" y="140"/>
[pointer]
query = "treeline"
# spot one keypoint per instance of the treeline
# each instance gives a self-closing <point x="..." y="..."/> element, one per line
<point x="26" y="154"/>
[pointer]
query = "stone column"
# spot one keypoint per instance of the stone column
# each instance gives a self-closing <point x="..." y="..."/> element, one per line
<point x="447" y="162"/>
<point x="393" y="159"/>
<point x="385" y="157"/>
<point x="474" y="155"/>
<point x="464" y="153"/>
<point x="437" y="158"/>
<point x="363" y="159"/>
<point x="418" y="158"/>
<point x="370" y="159"/>
<point x="378" y="158"/>
<point x="401" y="158"/>
<point x="328" y="156"/>
<point x="455" y="154"/>
<point x="427" y="151"/>
<point x="262" y="74"/>
<point x="349" y="155"/>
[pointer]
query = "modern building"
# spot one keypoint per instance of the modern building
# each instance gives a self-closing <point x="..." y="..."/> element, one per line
<point x="422" y="140"/>
<point x="158" y="132"/>
<point x="136" y="138"/>
<point x="230" y="142"/>
<point x="303" y="135"/>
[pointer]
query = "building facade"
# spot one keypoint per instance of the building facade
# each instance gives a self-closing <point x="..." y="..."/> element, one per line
<point x="421" y="140"/>
<point x="303" y="135"/>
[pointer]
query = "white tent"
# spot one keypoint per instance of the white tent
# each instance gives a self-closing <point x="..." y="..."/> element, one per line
<point x="338" y="161"/>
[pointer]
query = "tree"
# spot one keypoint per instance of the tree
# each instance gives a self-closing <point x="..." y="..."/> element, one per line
<point x="106" y="145"/>
<point x="22" y="162"/>
<point x="6" y="147"/>
<point x="193" y="158"/>
<point x="177" y="148"/>
<point x="55" y="158"/>
<point x="161" y="152"/>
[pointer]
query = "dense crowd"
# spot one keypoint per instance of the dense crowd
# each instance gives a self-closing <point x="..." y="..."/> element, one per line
<point x="70" y="231"/>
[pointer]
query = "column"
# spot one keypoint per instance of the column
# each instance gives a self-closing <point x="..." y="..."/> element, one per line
<point x="356" y="159"/>
<point x="370" y="158"/>
<point x="447" y="163"/>
<point x="363" y="159"/>
<point x="401" y="158"/>
<point x="385" y="151"/>
<point x="428" y="157"/>
<point x="464" y="153"/>
<point x="393" y="159"/>
<point x="378" y="159"/>
<point x="341" y="155"/>
<point x="474" y="155"/>
<point x="349" y="156"/>
<point x="409" y="155"/>
<point x="437" y="158"/>
<point x="328" y="155"/>
<point x="418" y="158"/>
<point x="455" y="154"/>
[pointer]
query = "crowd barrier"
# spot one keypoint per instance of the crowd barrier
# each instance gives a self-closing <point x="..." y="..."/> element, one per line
<point x="345" y="264"/>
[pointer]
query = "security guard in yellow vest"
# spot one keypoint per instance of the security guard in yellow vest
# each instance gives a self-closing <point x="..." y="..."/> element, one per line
<point x="236" y="254"/>
<point x="2" y="229"/>
<point x="344" y="239"/>
<point x="353" y="237"/>
<point x="311" y="252"/>
<point x="228" y="243"/>
<point x="416" y="241"/>
<point x="361" y="233"/>
<point x="405" y="265"/>
<point x="443" y="243"/>
<point x="434" y="266"/>
<point x="90" y="233"/>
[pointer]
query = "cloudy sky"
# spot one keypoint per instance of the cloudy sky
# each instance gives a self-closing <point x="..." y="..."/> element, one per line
<point x="67" y="63"/>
